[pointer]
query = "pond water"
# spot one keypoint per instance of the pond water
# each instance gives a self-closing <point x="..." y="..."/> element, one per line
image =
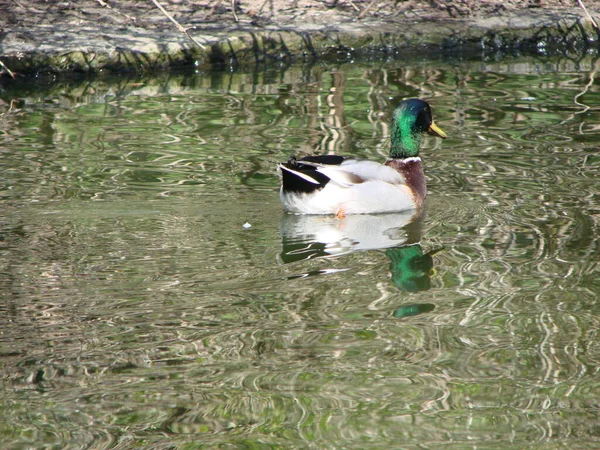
<point x="154" y="294"/>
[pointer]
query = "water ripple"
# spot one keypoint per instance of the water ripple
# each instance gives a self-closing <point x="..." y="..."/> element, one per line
<point x="140" y="312"/>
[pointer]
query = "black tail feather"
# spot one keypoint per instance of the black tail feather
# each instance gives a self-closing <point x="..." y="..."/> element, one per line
<point x="294" y="183"/>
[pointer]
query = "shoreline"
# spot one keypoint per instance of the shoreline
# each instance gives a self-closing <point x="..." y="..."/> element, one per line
<point x="90" y="46"/>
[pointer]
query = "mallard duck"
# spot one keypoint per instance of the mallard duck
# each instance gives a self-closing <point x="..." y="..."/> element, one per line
<point x="331" y="184"/>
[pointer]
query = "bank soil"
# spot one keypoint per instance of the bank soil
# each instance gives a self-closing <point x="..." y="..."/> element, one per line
<point x="100" y="35"/>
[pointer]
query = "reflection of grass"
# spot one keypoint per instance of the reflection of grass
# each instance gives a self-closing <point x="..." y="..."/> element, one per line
<point x="182" y="129"/>
<point x="137" y="302"/>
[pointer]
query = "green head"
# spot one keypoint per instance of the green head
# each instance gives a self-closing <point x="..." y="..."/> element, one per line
<point x="410" y="120"/>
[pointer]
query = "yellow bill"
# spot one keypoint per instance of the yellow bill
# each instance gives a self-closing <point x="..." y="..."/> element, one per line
<point x="436" y="131"/>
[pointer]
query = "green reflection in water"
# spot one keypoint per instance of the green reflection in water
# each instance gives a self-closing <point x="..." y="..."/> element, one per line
<point x="138" y="311"/>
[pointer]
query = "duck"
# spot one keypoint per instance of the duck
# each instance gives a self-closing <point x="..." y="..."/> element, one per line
<point x="340" y="186"/>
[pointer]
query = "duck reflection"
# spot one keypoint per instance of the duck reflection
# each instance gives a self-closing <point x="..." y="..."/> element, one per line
<point x="411" y="269"/>
<point x="311" y="236"/>
<point x="314" y="236"/>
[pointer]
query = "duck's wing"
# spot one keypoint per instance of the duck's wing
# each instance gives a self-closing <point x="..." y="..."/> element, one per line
<point x="314" y="172"/>
<point x="302" y="175"/>
<point x="359" y="171"/>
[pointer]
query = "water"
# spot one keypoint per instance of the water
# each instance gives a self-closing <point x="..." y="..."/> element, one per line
<point x="139" y="309"/>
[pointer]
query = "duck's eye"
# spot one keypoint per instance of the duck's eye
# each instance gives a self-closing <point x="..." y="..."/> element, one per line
<point x="424" y="119"/>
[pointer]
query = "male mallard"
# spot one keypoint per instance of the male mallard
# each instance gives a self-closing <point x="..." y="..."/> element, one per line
<point x="331" y="184"/>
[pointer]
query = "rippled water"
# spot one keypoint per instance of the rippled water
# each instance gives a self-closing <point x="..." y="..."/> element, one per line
<point x="154" y="295"/>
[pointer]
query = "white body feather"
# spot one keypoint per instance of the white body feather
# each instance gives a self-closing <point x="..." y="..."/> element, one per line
<point x="355" y="187"/>
<point x="366" y="170"/>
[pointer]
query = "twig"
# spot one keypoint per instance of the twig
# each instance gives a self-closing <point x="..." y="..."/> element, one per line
<point x="10" y="72"/>
<point x="366" y="10"/>
<point x="588" y="14"/>
<point x="106" y="5"/>
<point x="353" y="5"/>
<point x="263" y="5"/>
<point x="177" y="24"/>
<point x="233" y="9"/>
<point x="214" y="8"/>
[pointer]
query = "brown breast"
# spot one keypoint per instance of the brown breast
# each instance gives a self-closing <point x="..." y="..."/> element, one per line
<point x="412" y="169"/>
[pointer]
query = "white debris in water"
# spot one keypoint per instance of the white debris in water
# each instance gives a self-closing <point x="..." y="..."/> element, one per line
<point x="247" y="225"/>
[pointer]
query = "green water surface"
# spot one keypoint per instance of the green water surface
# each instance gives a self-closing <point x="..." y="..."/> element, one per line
<point x="154" y="295"/>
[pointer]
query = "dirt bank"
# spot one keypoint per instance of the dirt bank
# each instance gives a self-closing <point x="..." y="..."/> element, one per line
<point x="99" y="35"/>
